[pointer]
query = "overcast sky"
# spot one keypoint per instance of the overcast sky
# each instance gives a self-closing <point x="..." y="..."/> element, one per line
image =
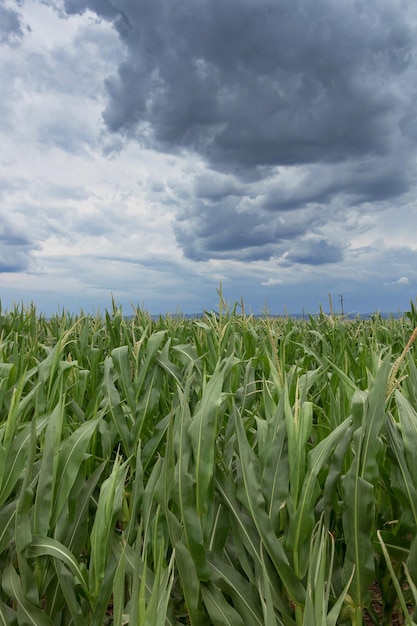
<point x="150" y="150"/>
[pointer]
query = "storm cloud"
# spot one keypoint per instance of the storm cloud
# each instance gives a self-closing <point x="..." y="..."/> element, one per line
<point x="153" y="149"/>
<point x="15" y="248"/>
<point x="306" y="106"/>
<point x="11" y="29"/>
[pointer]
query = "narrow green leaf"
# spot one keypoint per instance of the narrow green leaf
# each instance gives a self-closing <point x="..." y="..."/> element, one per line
<point x="358" y="521"/>
<point x="119" y="589"/>
<point x="113" y="400"/>
<point x="102" y="600"/>
<point x="203" y="432"/>
<point x="219" y="610"/>
<point x="299" y="424"/>
<point x="265" y="595"/>
<point x="396" y="582"/>
<point x="191" y="521"/>
<point x="275" y="476"/>
<point x="302" y="522"/>
<point x="120" y="356"/>
<point x="66" y="581"/>
<point x="23" y="532"/>
<point x="108" y="507"/>
<point x="17" y="457"/>
<point x="8" y="616"/>
<point x="71" y="456"/>
<point x="333" y="615"/>
<point x="408" y="421"/>
<point x="244" y="596"/>
<point x="7" y="524"/>
<point x="263" y="524"/>
<point x="28" y="614"/>
<point x="48" y="471"/>
<point x="401" y="481"/>
<point x="48" y="546"/>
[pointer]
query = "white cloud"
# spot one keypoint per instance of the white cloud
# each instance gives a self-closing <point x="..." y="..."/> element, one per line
<point x="88" y="211"/>
<point x="272" y="281"/>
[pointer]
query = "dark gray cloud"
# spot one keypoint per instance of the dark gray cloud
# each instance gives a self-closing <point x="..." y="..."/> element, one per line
<point x="15" y="248"/>
<point x="256" y="84"/>
<point x="104" y="8"/>
<point x="317" y="252"/>
<point x="11" y="28"/>
<point x="259" y="88"/>
<point x="239" y="228"/>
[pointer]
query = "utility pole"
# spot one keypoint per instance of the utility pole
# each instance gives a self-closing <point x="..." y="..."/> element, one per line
<point x="341" y="303"/>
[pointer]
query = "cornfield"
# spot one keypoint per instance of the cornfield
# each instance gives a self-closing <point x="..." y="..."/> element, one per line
<point x="226" y="470"/>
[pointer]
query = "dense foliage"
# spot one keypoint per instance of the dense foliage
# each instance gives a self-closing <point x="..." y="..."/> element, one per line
<point x="226" y="470"/>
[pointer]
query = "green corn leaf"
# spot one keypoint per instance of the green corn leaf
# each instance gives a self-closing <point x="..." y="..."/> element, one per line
<point x="402" y="482"/>
<point x="8" y="616"/>
<point x="203" y="432"/>
<point x="408" y="422"/>
<point x="108" y="507"/>
<point x="265" y="595"/>
<point x="191" y="521"/>
<point x="150" y="449"/>
<point x="263" y="524"/>
<point x="137" y="492"/>
<point x="411" y="560"/>
<point x="23" y="532"/>
<point x="149" y="407"/>
<point x="187" y="353"/>
<point x="318" y="576"/>
<point x="219" y="610"/>
<point x="7" y="525"/>
<point x="411" y="582"/>
<point x="66" y="581"/>
<point x="275" y="477"/>
<point x="114" y="401"/>
<point x="331" y="485"/>
<point x="164" y="361"/>
<point x="190" y="585"/>
<point x="119" y="588"/>
<point x="358" y="486"/>
<point x="17" y="458"/>
<point x="71" y="456"/>
<point x="333" y="615"/>
<point x="398" y="547"/>
<point x="374" y="419"/>
<point x="73" y="530"/>
<point x="246" y="528"/>
<point x="48" y="471"/>
<point x="298" y="429"/>
<point x="41" y="546"/>
<point x="120" y="356"/>
<point x="302" y="522"/>
<point x="102" y="599"/>
<point x="231" y="582"/>
<point x="12" y="417"/>
<point x="28" y="614"/>
<point x="139" y="575"/>
<point x="358" y="519"/>
<point x="396" y="582"/>
<point x="157" y="607"/>
<point x="152" y="346"/>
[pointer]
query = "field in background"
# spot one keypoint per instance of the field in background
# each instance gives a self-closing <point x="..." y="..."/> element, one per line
<point x="225" y="470"/>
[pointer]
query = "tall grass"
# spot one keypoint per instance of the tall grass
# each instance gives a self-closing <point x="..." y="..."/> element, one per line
<point x="227" y="470"/>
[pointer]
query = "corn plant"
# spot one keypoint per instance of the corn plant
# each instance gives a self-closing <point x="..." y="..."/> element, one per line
<point x="225" y="470"/>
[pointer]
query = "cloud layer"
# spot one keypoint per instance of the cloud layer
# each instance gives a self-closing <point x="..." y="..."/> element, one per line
<point x="297" y="109"/>
<point x="153" y="149"/>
